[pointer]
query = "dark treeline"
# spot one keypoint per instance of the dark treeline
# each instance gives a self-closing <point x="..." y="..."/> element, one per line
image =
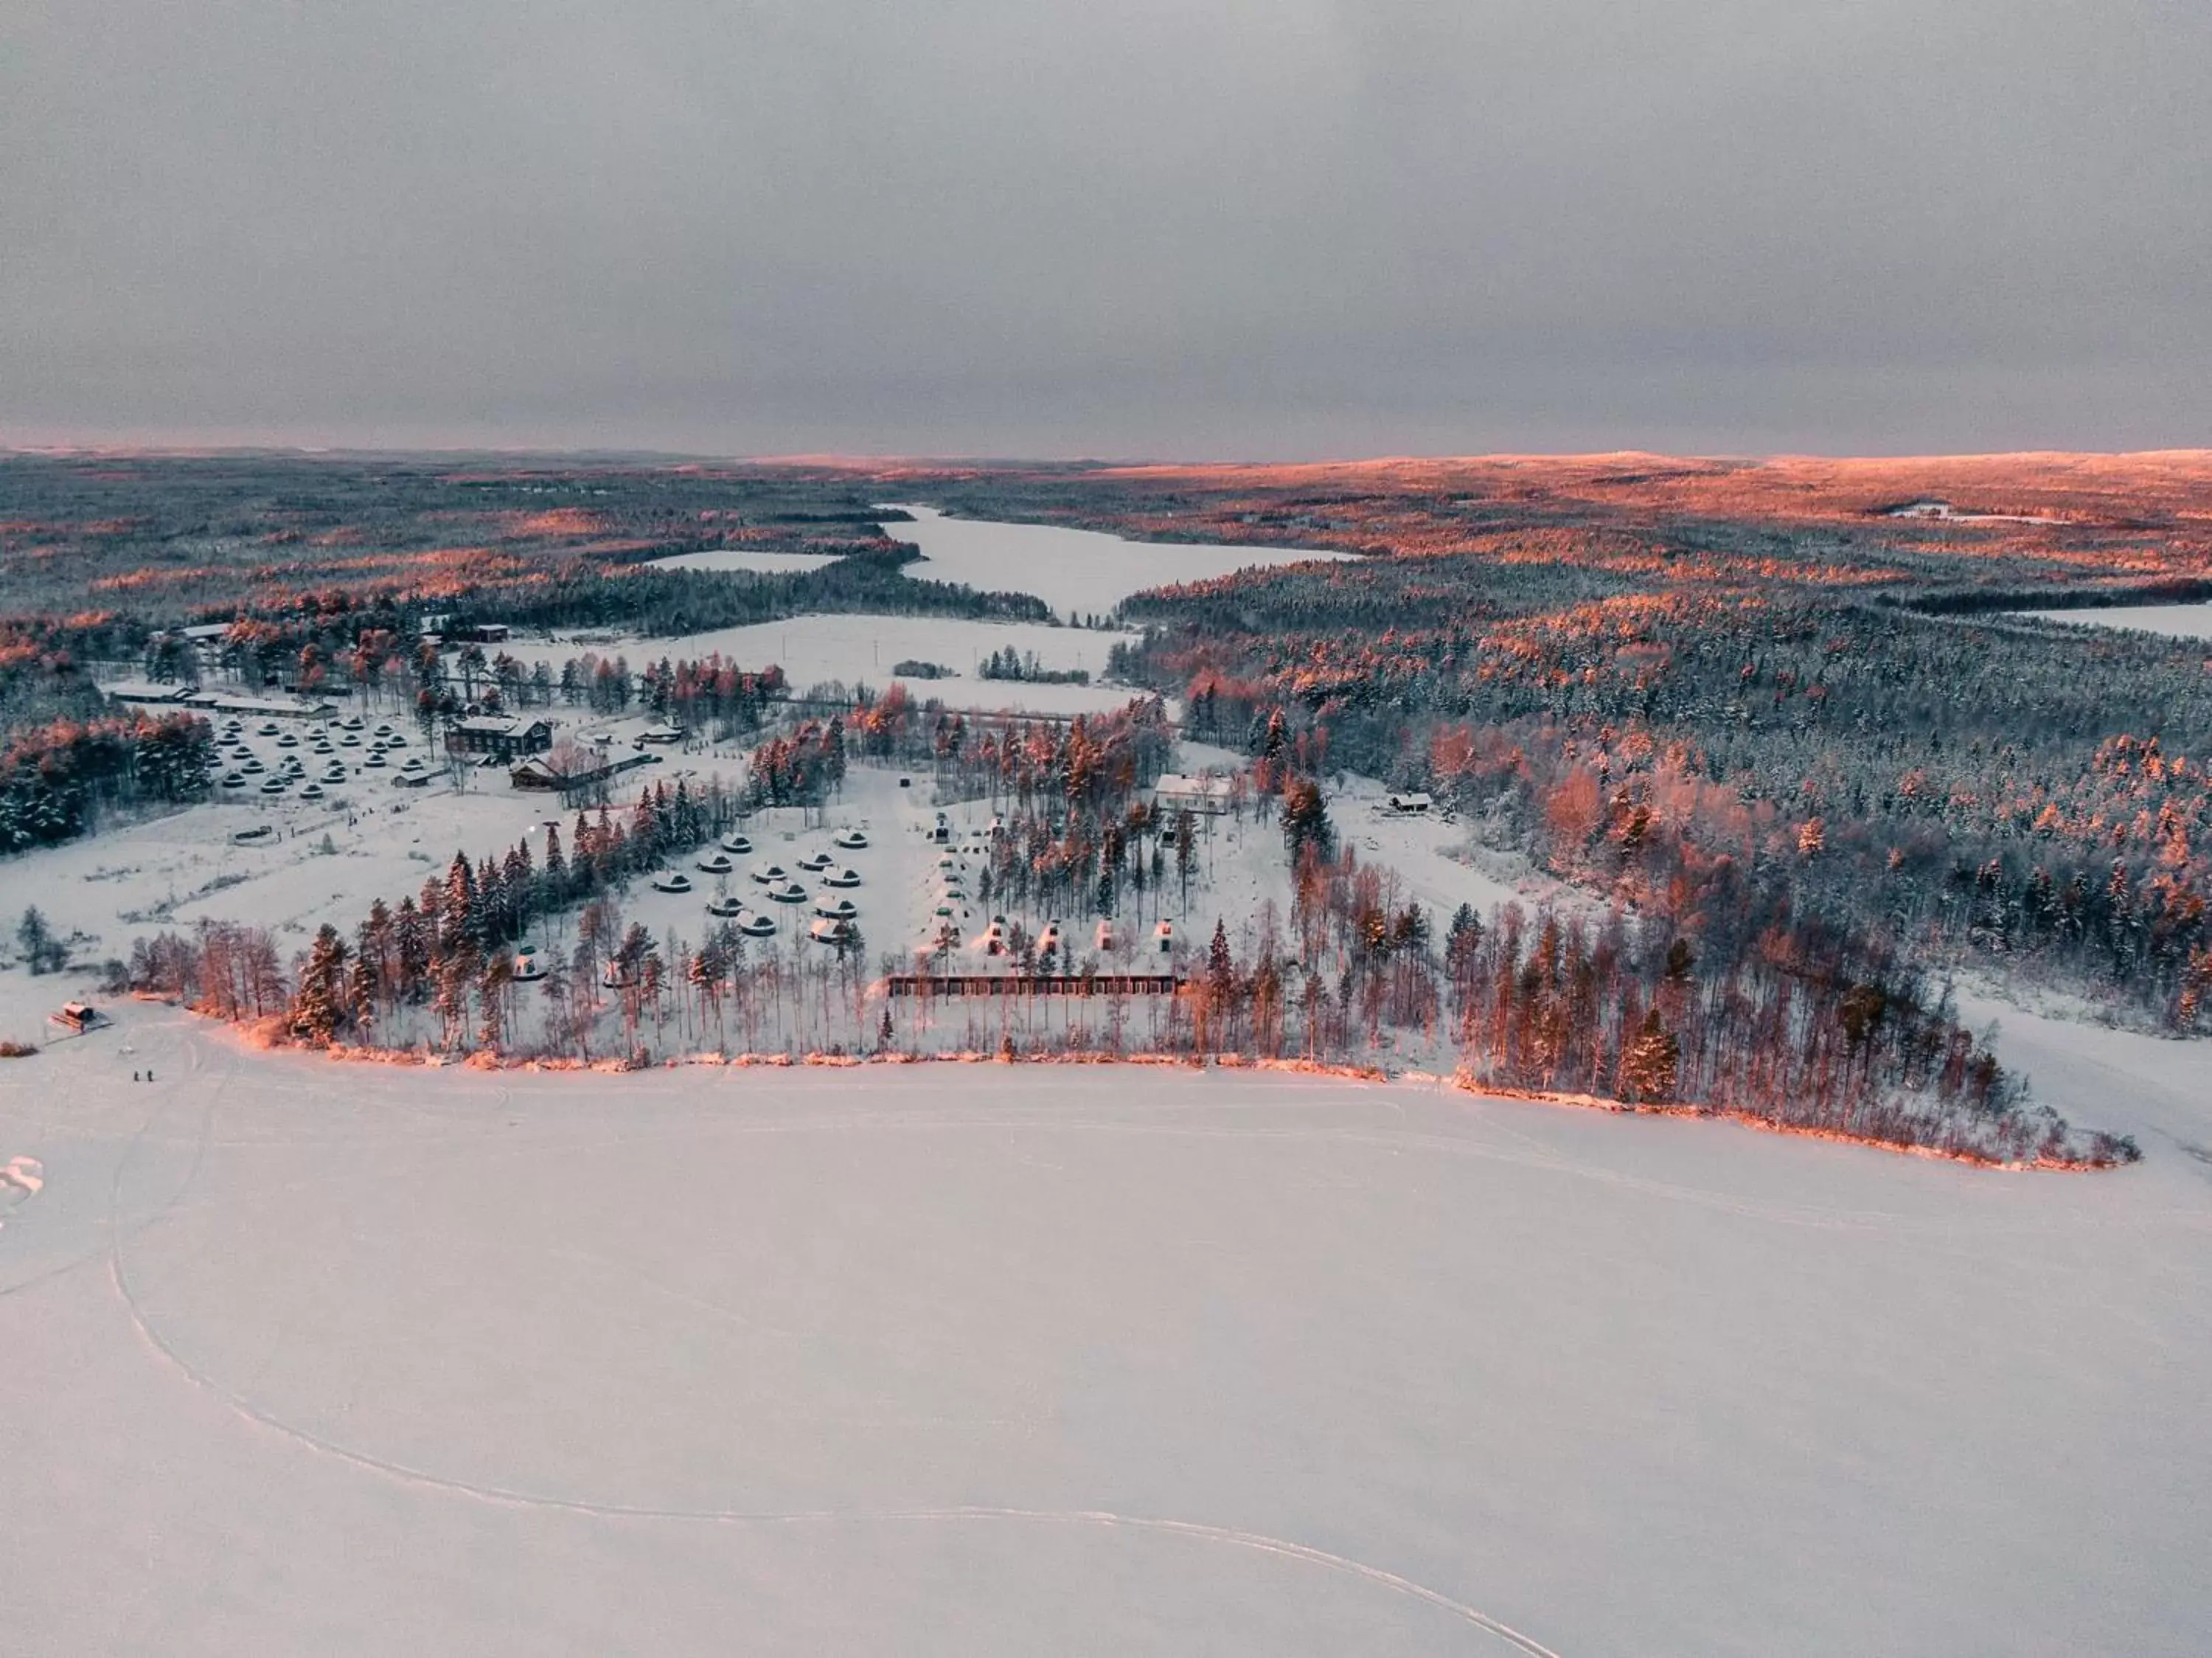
<point x="1804" y="1027"/>
<point x="674" y="602"/>
<point x="57" y="779"/>
<point x="169" y="539"/>
<point x="1971" y="601"/>
<point x="2023" y="793"/>
<point x="1007" y="664"/>
<point x="449" y="946"/>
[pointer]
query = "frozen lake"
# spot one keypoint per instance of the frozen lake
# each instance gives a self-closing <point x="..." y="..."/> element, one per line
<point x="1079" y="572"/>
<point x="356" y="1359"/>
<point x="2174" y="621"/>
<point x="862" y="649"/>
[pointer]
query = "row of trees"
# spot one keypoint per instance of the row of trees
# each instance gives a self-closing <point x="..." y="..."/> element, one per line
<point x="1807" y="1032"/>
<point x="56" y="780"/>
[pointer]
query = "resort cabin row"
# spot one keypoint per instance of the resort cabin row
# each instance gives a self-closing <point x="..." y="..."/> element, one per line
<point x="994" y="937"/>
<point x="1010" y="985"/>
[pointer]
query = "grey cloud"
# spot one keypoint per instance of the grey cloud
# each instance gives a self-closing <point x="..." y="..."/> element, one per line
<point x="1162" y="227"/>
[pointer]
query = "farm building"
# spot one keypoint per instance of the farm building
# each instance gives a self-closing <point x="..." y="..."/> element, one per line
<point x="146" y="693"/>
<point x="1410" y="800"/>
<point x="248" y="706"/>
<point x="540" y="772"/>
<point x="498" y="738"/>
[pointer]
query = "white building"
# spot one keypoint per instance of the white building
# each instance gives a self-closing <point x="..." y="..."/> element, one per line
<point x="1178" y="792"/>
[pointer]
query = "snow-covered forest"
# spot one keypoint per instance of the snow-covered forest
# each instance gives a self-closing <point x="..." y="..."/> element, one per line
<point x="1773" y="728"/>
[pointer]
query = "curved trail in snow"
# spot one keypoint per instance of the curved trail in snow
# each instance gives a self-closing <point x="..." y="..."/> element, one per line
<point x="1256" y="1542"/>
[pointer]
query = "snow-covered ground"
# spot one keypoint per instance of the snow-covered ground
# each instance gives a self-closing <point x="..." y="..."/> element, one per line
<point x="305" y="1358"/>
<point x="383" y="841"/>
<point x="1077" y="572"/>
<point x="862" y="649"/>
<point x="2174" y="621"/>
<point x="2157" y="1088"/>
<point x="1437" y="860"/>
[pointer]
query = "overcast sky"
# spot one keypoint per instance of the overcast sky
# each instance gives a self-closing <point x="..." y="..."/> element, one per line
<point x="1204" y="228"/>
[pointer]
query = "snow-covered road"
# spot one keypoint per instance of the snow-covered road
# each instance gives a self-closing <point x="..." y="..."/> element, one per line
<point x="305" y="1358"/>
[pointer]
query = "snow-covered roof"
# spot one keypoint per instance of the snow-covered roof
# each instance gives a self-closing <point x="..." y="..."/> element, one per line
<point x="495" y="725"/>
<point x="146" y="691"/>
<point x="243" y="703"/>
<point x="1177" y="784"/>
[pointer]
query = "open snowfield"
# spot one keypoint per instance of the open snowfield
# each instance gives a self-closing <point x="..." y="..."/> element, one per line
<point x="305" y="1358"/>
<point x="2174" y="621"/>
<point x="862" y="649"/>
<point x="1079" y="572"/>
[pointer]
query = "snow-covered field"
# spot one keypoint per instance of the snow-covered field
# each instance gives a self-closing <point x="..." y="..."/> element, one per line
<point x="2174" y="621"/>
<point x="384" y="841"/>
<point x="862" y="649"/>
<point x="1077" y="572"/>
<point x="305" y="1358"/>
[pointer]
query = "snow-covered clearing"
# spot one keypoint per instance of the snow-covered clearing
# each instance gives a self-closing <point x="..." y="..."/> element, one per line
<point x="1077" y="572"/>
<point x="862" y="649"/>
<point x="307" y="1358"/>
<point x="384" y="841"/>
<point x="1437" y="860"/>
<point x="2158" y="1089"/>
<point x="2173" y="621"/>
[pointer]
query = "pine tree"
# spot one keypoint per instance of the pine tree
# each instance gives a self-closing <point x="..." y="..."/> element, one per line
<point x="42" y="951"/>
<point x="411" y="938"/>
<point x="361" y="990"/>
<point x="491" y="995"/>
<point x="1306" y="818"/>
<point x="318" y="1007"/>
<point x="457" y="919"/>
<point x="1648" y="1068"/>
<point x="556" y="866"/>
<point x="1220" y="966"/>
